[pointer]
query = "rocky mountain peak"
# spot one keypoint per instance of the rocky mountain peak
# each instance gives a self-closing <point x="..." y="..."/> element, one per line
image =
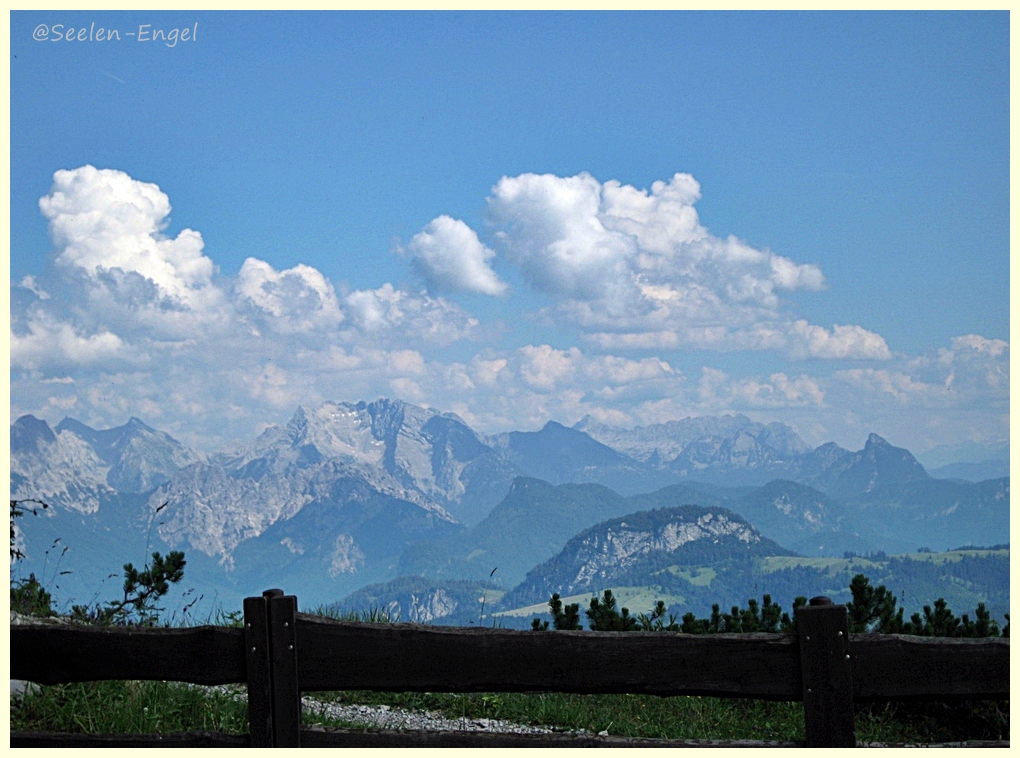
<point x="875" y="441"/>
<point x="57" y="467"/>
<point x="31" y="433"/>
<point x="877" y="465"/>
<point x="897" y="461"/>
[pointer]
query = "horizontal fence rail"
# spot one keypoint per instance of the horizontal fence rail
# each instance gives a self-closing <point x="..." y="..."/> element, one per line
<point x="905" y="667"/>
<point x="403" y="657"/>
<point x="50" y="654"/>
<point x="281" y="653"/>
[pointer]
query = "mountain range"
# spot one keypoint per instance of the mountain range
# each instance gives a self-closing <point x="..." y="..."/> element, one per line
<point x="692" y="558"/>
<point x="345" y="495"/>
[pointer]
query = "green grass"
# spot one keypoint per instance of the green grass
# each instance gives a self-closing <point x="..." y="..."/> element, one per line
<point x="698" y="576"/>
<point x="931" y="722"/>
<point x="162" y="707"/>
<point x="838" y="565"/>
<point x="620" y="715"/>
<point x="834" y="566"/>
<point x="699" y="718"/>
<point x="952" y="556"/>
<point x="122" y="707"/>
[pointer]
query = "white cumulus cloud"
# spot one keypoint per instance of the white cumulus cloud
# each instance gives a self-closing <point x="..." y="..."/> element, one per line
<point x="128" y="320"/>
<point x="297" y="299"/>
<point x="724" y="392"/>
<point x="392" y="314"/>
<point x="49" y="343"/>
<point x="102" y="219"/>
<point x="637" y="269"/>
<point x="450" y="258"/>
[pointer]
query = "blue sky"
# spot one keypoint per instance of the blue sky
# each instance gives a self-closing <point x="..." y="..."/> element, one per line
<point x="797" y="216"/>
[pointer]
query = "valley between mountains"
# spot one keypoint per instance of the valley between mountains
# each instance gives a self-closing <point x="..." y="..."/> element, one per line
<point x="390" y="506"/>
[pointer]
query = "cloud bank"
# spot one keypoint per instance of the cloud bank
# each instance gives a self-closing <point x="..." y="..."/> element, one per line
<point x="128" y="320"/>
<point x="637" y="270"/>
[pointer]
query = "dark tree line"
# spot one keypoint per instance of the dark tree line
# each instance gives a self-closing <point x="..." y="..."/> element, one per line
<point x="872" y="609"/>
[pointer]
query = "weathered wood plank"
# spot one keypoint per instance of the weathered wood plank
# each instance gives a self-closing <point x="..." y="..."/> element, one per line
<point x="322" y="737"/>
<point x="406" y="657"/>
<point x="68" y="653"/>
<point x="338" y="655"/>
<point x="885" y="666"/>
<point x="825" y="669"/>
<point x="900" y="666"/>
<point x="180" y="739"/>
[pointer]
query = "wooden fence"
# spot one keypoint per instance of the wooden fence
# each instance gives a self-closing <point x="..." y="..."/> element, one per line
<point x="281" y="653"/>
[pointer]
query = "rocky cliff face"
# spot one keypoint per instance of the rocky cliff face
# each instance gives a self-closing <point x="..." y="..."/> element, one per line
<point x="77" y="467"/>
<point x="665" y="442"/>
<point x="611" y="550"/>
<point x="348" y="493"/>
<point x="139" y="457"/>
<point x="642" y="543"/>
<point x="215" y="512"/>
<point x="430" y="455"/>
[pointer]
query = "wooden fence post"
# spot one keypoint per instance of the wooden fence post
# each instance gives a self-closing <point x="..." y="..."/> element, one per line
<point x="283" y="651"/>
<point x="826" y="674"/>
<point x="260" y="677"/>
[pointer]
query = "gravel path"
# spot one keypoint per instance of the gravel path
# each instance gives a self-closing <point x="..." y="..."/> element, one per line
<point x="385" y="717"/>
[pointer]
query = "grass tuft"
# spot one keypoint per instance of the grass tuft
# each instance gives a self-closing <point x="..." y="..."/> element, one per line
<point x="120" y="707"/>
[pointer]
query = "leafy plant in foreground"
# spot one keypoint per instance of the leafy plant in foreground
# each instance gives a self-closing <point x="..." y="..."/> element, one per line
<point x="28" y="596"/>
<point x="873" y="609"/>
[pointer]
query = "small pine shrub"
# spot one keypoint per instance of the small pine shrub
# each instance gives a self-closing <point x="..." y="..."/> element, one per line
<point x="30" y="598"/>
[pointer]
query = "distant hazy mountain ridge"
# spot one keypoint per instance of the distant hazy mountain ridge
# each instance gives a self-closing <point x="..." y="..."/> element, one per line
<point x="345" y="494"/>
<point x="710" y="447"/>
